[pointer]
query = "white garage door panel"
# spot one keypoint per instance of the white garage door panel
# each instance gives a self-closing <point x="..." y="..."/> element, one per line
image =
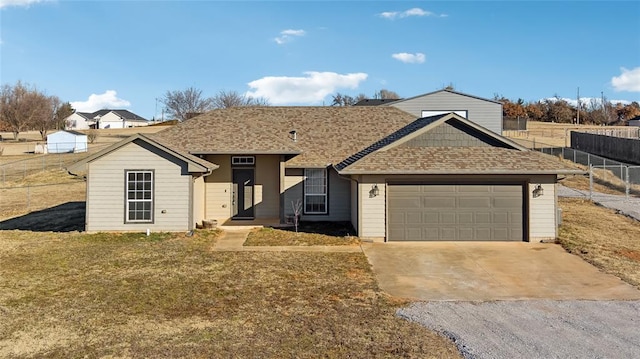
<point x="455" y="212"/>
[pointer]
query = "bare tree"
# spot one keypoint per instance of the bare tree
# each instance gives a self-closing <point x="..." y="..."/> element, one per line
<point x="342" y="100"/>
<point x="46" y="118"/>
<point x="181" y="105"/>
<point x="23" y="107"/>
<point x="229" y="99"/>
<point x="297" y="210"/>
<point x="385" y="94"/>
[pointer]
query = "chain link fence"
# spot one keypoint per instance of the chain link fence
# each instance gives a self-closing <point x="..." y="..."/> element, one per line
<point x="18" y="170"/>
<point x="26" y="198"/>
<point x="610" y="171"/>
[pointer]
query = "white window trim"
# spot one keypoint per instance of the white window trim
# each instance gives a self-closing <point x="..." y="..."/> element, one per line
<point x="325" y="194"/>
<point x="128" y="201"/>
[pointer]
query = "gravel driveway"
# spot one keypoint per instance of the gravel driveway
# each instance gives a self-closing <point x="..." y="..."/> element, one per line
<point x="535" y="329"/>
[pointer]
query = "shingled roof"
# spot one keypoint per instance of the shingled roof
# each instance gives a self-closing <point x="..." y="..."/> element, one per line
<point x="195" y="164"/>
<point x="492" y="154"/>
<point x="354" y="139"/>
<point x="324" y="135"/>
<point x="458" y="160"/>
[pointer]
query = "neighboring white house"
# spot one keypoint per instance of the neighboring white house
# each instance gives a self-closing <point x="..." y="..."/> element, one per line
<point x="66" y="142"/>
<point x="105" y="119"/>
<point x="79" y="121"/>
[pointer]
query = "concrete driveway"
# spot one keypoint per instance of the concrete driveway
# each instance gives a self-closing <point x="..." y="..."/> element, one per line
<point x="482" y="271"/>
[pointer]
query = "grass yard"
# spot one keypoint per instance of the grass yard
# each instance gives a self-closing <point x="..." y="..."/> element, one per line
<point x="605" y="239"/>
<point x="309" y="234"/>
<point x="66" y="295"/>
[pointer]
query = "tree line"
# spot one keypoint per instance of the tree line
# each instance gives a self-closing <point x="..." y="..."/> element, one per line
<point x="556" y="109"/>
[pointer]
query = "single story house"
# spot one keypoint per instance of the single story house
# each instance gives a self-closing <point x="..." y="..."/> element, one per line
<point x="104" y="119"/>
<point x="66" y="141"/>
<point x="393" y="176"/>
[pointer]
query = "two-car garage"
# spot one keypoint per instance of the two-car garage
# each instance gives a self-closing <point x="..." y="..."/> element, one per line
<point x="456" y="212"/>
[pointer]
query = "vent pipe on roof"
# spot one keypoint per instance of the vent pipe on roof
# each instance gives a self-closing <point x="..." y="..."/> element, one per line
<point x="293" y="135"/>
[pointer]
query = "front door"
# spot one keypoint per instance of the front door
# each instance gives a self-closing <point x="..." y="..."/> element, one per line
<point x="243" y="179"/>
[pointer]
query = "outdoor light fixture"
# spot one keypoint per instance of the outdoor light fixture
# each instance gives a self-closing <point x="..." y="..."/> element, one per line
<point x="374" y="191"/>
<point x="538" y="191"/>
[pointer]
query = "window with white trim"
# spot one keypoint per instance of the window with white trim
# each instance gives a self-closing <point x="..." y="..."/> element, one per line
<point x="315" y="191"/>
<point x="139" y="187"/>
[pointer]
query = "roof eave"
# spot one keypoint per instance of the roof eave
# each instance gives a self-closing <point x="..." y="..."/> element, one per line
<point x="460" y="172"/>
<point x="243" y="152"/>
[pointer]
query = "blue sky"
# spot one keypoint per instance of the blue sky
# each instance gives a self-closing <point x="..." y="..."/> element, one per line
<point x="127" y="54"/>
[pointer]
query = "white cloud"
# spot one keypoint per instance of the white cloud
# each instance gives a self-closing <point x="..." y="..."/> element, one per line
<point x="24" y="3"/>
<point x="310" y="89"/>
<point x="408" y="58"/>
<point x="288" y="35"/>
<point x="416" y="11"/>
<point x="107" y="100"/>
<point x="629" y="80"/>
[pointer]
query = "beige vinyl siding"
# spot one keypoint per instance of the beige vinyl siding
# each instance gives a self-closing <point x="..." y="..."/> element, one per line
<point x="267" y="188"/>
<point x="485" y="113"/>
<point x="198" y="199"/>
<point x="106" y="190"/>
<point x="373" y="214"/>
<point x="218" y="189"/>
<point x="542" y="210"/>
<point x="292" y="189"/>
<point x="339" y="206"/>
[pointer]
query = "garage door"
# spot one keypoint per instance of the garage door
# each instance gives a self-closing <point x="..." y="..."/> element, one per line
<point x="455" y="212"/>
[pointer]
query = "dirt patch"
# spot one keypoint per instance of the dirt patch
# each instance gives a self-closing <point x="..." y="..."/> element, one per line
<point x="631" y="254"/>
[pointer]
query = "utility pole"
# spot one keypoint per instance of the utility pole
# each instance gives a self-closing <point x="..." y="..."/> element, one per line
<point x="604" y="108"/>
<point x="578" y="116"/>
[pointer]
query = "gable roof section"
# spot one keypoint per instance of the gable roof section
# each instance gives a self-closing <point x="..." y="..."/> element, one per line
<point x="501" y="156"/>
<point x="194" y="164"/>
<point x="443" y="90"/>
<point x="126" y="114"/>
<point x="325" y="135"/>
<point x="85" y="115"/>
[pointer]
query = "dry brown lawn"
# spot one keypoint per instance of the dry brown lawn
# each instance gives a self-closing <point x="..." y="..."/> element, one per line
<point x="602" y="237"/>
<point x="40" y="191"/>
<point x="127" y="295"/>
<point x="325" y="234"/>
<point x="548" y="133"/>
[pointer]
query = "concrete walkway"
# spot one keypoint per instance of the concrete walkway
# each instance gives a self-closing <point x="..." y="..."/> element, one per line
<point x="233" y="240"/>
<point x="629" y="206"/>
